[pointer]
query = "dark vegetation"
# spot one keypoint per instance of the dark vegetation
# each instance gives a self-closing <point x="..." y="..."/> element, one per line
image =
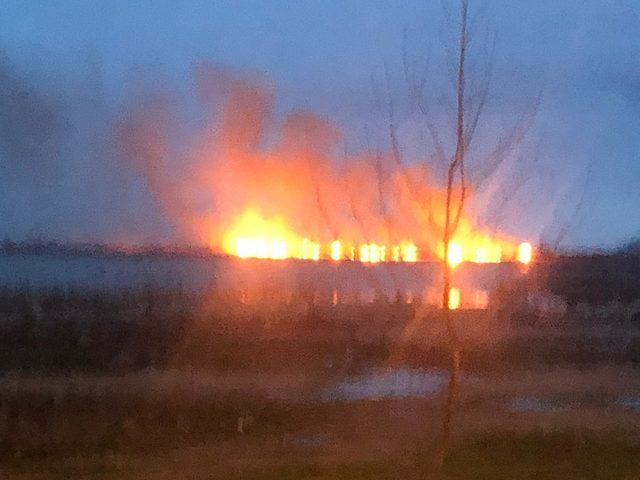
<point x="62" y="330"/>
<point x="537" y="455"/>
<point x="36" y="246"/>
<point x="83" y="372"/>
<point x="594" y="279"/>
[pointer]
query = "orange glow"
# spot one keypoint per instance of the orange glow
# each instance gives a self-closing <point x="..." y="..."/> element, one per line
<point x="363" y="253"/>
<point x="454" y="299"/>
<point x="336" y="250"/>
<point x="488" y="254"/>
<point x="525" y="253"/>
<point x="279" y="192"/>
<point x="480" y="299"/>
<point x="409" y="252"/>
<point x="310" y="250"/>
<point x="255" y="236"/>
<point x="454" y="257"/>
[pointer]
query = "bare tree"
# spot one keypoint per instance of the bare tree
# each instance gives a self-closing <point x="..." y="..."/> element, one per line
<point x="471" y="98"/>
<point x="455" y="169"/>
<point x="468" y="110"/>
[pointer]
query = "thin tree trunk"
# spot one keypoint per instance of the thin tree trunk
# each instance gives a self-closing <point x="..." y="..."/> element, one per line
<point x="449" y="229"/>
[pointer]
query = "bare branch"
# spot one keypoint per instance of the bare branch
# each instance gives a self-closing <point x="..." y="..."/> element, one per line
<point x="484" y="91"/>
<point x="456" y="163"/>
<point x="416" y="96"/>
<point x="508" y="142"/>
<point x="564" y="230"/>
<point x="522" y="178"/>
<point x="458" y="160"/>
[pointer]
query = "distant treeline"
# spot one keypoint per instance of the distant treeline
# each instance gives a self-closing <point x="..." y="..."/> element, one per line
<point x="596" y="279"/>
<point x="57" y="248"/>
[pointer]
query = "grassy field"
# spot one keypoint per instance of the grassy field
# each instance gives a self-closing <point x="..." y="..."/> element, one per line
<point x="369" y="443"/>
<point x="184" y="425"/>
<point x="157" y="384"/>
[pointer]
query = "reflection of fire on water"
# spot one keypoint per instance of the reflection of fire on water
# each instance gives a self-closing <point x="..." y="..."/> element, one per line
<point x="454" y="299"/>
<point x="460" y="298"/>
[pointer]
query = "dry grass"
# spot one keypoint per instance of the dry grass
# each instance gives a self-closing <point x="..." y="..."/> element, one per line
<point x="166" y="383"/>
<point x="332" y="440"/>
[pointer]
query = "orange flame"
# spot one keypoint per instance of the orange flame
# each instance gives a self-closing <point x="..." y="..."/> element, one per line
<point x="525" y="253"/>
<point x="252" y="236"/>
<point x="292" y="199"/>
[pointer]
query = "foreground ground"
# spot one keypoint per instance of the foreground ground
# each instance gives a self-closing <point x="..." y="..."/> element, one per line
<point x="496" y="456"/>
<point x="167" y="386"/>
<point x="569" y="424"/>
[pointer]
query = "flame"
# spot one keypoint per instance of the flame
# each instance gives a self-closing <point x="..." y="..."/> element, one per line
<point x="336" y="250"/>
<point x="310" y="250"/>
<point x="525" y="253"/>
<point x="372" y="253"/>
<point x="254" y="236"/>
<point x="409" y="252"/>
<point x="454" y="256"/>
<point x="261" y="187"/>
<point x="363" y="253"/>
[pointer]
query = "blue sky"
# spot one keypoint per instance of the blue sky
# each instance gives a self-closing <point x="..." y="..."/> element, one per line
<point x="321" y="55"/>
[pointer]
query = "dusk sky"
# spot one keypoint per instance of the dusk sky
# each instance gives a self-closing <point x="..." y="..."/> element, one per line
<point x="79" y="62"/>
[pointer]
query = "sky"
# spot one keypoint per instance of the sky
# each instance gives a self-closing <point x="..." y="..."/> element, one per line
<point x="69" y="69"/>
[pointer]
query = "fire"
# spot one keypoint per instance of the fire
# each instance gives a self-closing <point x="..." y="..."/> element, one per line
<point x="408" y="252"/>
<point x="261" y="187"/>
<point x="310" y="250"/>
<point x="254" y="236"/>
<point x="525" y="253"/>
<point x="480" y="249"/>
<point x="454" y="256"/>
<point x="373" y="253"/>
<point x="261" y="248"/>
<point x="336" y="250"/>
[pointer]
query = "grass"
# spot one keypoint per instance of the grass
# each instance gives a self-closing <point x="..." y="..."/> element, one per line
<point x="151" y="384"/>
<point x="542" y="456"/>
<point x="578" y="455"/>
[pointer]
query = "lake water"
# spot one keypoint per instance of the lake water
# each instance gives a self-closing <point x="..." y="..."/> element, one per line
<point x="341" y="281"/>
<point x="390" y="383"/>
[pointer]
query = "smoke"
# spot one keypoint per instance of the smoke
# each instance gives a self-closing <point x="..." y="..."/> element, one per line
<point x="148" y="170"/>
<point x="32" y="125"/>
<point x="144" y="171"/>
<point x="288" y="170"/>
<point x="63" y="176"/>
